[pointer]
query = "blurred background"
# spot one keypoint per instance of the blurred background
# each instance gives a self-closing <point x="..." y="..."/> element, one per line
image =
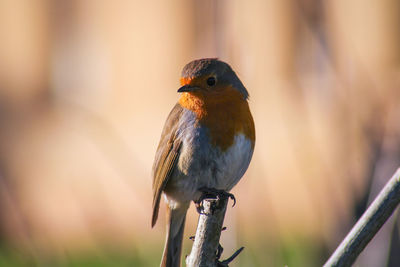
<point x="85" y="88"/>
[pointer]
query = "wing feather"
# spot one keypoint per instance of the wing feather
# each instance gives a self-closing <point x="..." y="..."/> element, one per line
<point x="167" y="156"/>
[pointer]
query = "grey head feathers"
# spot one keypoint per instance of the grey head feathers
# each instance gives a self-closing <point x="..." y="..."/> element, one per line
<point x="214" y="67"/>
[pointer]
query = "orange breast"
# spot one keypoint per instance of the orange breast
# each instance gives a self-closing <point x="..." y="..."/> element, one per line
<point x="225" y="114"/>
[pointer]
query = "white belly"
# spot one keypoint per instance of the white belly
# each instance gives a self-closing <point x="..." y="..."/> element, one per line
<point x="201" y="165"/>
<point x="234" y="163"/>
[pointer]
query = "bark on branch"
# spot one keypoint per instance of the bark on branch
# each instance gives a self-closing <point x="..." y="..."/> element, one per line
<point x="206" y="242"/>
<point x="368" y="225"/>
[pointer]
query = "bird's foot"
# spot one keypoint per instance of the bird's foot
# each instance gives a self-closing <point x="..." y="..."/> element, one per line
<point x="214" y="194"/>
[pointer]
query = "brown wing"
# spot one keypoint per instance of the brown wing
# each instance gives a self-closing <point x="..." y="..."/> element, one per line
<point x="167" y="156"/>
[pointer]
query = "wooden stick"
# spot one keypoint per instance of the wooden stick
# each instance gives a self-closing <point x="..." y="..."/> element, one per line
<point x="208" y="233"/>
<point x="368" y="225"/>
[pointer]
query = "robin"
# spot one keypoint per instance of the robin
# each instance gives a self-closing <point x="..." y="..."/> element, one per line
<point x="207" y="142"/>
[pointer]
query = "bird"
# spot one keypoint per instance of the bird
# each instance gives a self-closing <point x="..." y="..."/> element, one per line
<point x="207" y="142"/>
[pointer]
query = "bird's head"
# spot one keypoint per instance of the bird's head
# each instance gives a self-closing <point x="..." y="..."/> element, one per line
<point x="210" y="78"/>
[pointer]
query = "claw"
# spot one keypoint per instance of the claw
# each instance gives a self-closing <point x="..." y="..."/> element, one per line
<point x="231" y="196"/>
<point x="199" y="206"/>
<point x="213" y="193"/>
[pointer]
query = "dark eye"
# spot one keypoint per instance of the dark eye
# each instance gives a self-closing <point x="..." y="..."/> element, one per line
<point x="211" y="81"/>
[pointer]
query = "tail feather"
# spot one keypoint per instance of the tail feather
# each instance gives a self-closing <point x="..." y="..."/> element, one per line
<point x="173" y="243"/>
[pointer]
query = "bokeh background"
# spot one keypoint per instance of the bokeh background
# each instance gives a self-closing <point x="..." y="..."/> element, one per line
<point x="85" y="87"/>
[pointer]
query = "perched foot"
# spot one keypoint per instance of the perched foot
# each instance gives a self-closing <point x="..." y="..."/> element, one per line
<point x="214" y="194"/>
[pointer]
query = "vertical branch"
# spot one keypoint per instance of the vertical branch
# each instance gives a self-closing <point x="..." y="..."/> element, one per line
<point x="368" y="225"/>
<point x="208" y="232"/>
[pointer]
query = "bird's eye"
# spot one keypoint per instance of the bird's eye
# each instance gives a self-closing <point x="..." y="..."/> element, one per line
<point x="211" y="81"/>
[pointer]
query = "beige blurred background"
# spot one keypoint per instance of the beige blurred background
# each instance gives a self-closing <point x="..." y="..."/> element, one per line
<point x="85" y="87"/>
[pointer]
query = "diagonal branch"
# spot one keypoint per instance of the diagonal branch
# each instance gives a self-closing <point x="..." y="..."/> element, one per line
<point x="368" y="225"/>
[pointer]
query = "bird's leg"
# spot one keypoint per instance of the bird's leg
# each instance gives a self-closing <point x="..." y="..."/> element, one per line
<point x="213" y="193"/>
